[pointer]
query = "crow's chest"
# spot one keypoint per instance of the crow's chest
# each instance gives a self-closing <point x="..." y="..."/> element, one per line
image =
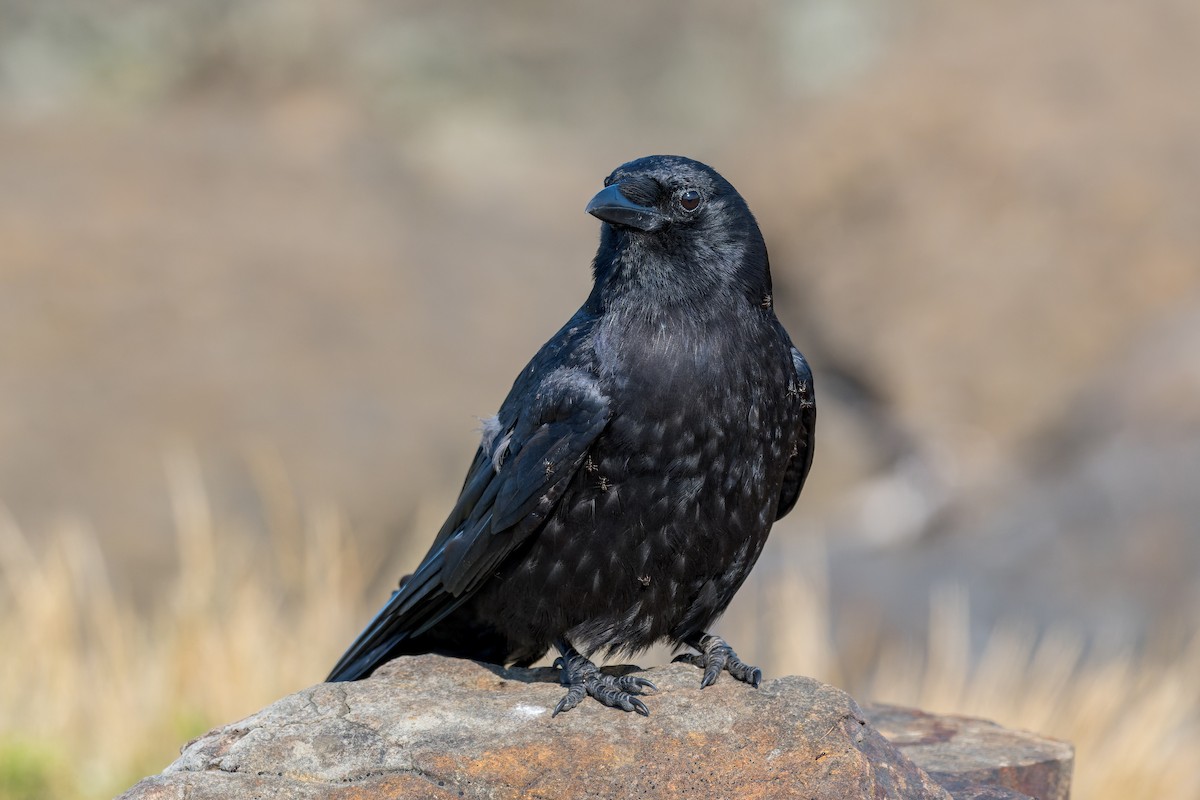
<point x="699" y="437"/>
<point x="672" y="503"/>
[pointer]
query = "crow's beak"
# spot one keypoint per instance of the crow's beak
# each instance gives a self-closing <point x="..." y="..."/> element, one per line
<point x="617" y="209"/>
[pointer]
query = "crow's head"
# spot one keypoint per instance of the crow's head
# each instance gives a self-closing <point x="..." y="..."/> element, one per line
<point x="676" y="231"/>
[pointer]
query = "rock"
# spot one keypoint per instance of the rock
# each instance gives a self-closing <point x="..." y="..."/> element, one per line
<point x="432" y="727"/>
<point x="975" y="759"/>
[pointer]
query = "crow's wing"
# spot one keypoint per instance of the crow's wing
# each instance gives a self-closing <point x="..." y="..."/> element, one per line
<point x="802" y="455"/>
<point x="513" y="485"/>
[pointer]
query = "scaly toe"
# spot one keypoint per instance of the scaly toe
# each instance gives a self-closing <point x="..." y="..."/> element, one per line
<point x="618" y="692"/>
<point x="635" y="685"/>
<point x="583" y="678"/>
<point x="716" y="656"/>
<point x="744" y="672"/>
<point x="574" y="695"/>
<point x="715" y="660"/>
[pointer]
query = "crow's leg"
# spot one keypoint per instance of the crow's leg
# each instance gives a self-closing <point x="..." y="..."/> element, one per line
<point x="715" y="655"/>
<point x="582" y="677"/>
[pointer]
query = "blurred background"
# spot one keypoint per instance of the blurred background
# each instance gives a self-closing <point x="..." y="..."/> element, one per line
<point x="263" y="265"/>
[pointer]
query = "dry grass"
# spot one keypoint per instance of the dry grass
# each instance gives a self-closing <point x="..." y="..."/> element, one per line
<point x="1134" y="720"/>
<point x="95" y="691"/>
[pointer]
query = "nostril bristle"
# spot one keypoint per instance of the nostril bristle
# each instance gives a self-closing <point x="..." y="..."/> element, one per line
<point x="641" y="190"/>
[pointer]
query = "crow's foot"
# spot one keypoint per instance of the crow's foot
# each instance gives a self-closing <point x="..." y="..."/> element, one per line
<point x="714" y="656"/>
<point x="583" y="678"/>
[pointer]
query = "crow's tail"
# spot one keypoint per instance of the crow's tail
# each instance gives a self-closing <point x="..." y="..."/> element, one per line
<point x="401" y="629"/>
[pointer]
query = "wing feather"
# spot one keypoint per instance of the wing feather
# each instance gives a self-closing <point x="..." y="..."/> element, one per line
<point x="498" y="509"/>
<point x="802" y="457"/>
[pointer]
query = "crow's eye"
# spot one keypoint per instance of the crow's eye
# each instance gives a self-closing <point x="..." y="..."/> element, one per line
<point x="689" y="200"/>
<point x="608" y="181"/>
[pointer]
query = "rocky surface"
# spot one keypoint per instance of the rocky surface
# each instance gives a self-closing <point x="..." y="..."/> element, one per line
<point x="974" y="758"/>
<point x="431" y="727"/>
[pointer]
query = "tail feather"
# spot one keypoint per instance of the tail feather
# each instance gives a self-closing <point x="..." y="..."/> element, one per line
<point x="452" y="635"/>
<point x="363" y="656"/>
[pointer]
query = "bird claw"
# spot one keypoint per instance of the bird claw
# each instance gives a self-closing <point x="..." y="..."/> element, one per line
<point x="636" y="685"/>
<point x="574" y="695"/>
<point x="716" y="656"/>
<point x="744" y="672"/>
<point x="583" y="678"/>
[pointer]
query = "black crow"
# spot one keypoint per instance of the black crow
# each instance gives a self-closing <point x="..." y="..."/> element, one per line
<point x="627" y="485"/>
